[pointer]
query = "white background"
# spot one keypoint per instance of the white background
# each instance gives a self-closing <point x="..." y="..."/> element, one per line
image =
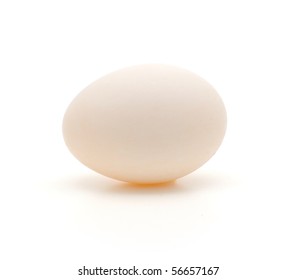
<point x="237" y="212"/>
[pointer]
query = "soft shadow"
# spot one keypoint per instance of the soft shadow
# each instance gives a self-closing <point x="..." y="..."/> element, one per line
<point x="192" y="183"/>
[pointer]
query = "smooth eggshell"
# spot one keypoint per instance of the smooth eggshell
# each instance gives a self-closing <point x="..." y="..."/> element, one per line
<point x="145" y="124"/>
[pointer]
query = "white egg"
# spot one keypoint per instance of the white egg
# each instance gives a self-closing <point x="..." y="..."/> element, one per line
<point x="145" y="124"/>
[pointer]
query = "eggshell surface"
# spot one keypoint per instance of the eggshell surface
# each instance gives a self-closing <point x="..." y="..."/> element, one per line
<point x="145" y="124"/>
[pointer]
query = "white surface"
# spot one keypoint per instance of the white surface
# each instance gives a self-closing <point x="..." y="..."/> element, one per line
<point x="145" y="124"/>
<point x="237" y="212"/>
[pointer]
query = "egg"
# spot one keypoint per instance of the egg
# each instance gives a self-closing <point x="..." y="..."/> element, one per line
<point x="145" y="124"/>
